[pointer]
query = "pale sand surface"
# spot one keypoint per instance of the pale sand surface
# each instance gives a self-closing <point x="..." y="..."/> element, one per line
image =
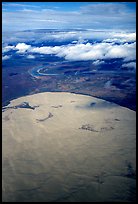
<point x="80" y="153"/>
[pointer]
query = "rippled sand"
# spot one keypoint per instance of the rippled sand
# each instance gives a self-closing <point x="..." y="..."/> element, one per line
<point x="70" y="147"/>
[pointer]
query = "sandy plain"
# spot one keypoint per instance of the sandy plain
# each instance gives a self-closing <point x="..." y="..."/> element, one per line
<point x="69" y="147"/>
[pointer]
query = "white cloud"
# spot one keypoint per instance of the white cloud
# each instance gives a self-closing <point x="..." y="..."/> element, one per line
<point x="8" y="48"/>
<point x="126" y="51"/>
<point x="74" y="41"/>
<point x="126" y="37"/>
<point x="46" y="50"/>
<point x="98" y="62"/>
<point x="130" y="65"/>
<point x="22" y="47"/>
<point x="81" y="52"/>
<point x="30" y="57"/>
<point x="122" y="38"/>
<point x="6" y="57"/>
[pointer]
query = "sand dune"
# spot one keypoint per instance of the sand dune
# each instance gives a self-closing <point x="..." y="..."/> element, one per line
<point x="68" y="147"/>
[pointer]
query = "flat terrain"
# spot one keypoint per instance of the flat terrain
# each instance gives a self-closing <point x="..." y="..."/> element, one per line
<point x="68" y="147"/>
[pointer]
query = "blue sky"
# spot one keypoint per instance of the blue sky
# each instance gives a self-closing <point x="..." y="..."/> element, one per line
<point x="63" y="15"/>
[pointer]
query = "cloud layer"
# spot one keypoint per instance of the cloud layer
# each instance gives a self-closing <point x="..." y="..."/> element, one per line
<point x="74" y="45"/>
<point x="104" y="15"/>
<point x="76" y="36"/>
<point x="80" y="51"/>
